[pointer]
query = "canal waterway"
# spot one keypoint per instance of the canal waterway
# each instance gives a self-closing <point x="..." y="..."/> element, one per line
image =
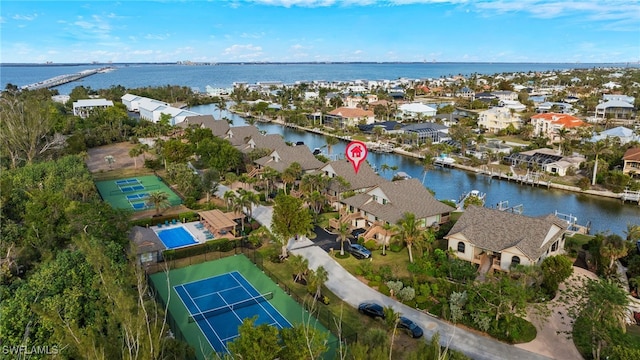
<point x="604" y="214"/>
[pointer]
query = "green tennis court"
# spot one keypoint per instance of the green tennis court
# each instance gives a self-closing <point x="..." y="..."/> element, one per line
<point x="132" y="193"/>
<point x="199" y="274"/>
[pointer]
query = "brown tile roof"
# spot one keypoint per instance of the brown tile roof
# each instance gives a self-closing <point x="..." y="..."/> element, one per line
<point x="351" y="113"/>
<point x="283" y="157"/>
<point x="496" y="230"/>
<point x="403" y="196"/>
<point x="632" y="154"/>
<point x="365" y="178"/>
<point x="218" y="127"/>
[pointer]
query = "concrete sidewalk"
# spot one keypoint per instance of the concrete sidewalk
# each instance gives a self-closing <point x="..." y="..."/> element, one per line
<point x="353" y="291"/>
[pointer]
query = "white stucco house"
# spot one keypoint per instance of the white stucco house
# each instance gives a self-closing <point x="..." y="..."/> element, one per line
<point x="83" y="108"/>
<point x="498" y="118"/>
<point x="417" y="109"/>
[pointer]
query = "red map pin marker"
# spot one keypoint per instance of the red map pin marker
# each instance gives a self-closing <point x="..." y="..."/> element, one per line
<point x="356" y="153"/>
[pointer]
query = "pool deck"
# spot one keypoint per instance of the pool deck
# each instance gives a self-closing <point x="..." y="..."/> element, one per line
<point x="199" y="234"/>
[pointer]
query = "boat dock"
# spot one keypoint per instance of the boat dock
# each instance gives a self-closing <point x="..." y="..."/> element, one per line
<point x="632" y="196"/>
<point x="64" y="79"/>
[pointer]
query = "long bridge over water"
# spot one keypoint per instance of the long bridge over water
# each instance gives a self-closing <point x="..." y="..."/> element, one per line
<point x="63" y="79"/>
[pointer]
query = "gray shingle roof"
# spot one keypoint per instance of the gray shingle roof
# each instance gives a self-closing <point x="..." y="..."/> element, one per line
<point x="403" y="196"/>
<point x="365" y="178"/>
<point x="287" y="155"/>
<point x="496" y="230"/>
<point x="270" y="141"/>
<point x="146" y="240"/>
<point x="239" y="135"/>
<point x="219" y="128"/>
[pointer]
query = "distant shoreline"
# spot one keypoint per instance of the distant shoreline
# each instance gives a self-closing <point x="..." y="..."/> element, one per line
<point x="577" y="64"/>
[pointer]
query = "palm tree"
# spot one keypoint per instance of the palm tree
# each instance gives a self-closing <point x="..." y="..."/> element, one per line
<point x="331" y="141"/>
<point x="238" y="204"/>
<point x="228" y="196"/>
<point x="109" y="159"/>
<point x="409" y="231"/>
<point x="564" y="135"/>
<point x="300" y="266"/>
<point x="632" y="232"/>
<point x="134" y="153"/>
<point x="316" y="280"/>
<point x="159" y="200"/>
<point x="598" y="148"/>
<point x="391" y="319"/>
<point x="287" y="177"/>
<point x="250" y="199"/>
<point x="344" y="234"/>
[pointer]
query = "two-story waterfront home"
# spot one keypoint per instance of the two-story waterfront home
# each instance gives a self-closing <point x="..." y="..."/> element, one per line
<point x="548" y="125"/>
<point x="499" y="118"/>
<point x="83" y="108"/>
<point x="498" y="240"/>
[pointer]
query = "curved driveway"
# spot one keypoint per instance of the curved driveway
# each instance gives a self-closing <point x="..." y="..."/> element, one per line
<point x="353" y="291"/>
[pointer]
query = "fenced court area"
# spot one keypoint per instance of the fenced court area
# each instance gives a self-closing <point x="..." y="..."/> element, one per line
<point x="220" y="303"/>
<point x="132" y="193"/>
<point x="209" y="300"/>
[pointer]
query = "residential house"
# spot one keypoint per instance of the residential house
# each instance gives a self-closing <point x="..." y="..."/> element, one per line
<point x="260" y="141"/>
<point x="83" y="108"/>
<point x="281" y="158"/>
<point x="388" y="201"/>
<point x="466" y="93"/>
<point x="498" y="240"/>
<point x="554" y="107"/>
<point x="417" y="109"/>
<point x="623" y="134"/>
<point x="512" y="104"/>
<point x="548" y="124"/>
<point x="615" y="109"/>
<point x="499" y="118"/>
<point x="506" y="95"/>
<point x="132" y="102"/>
<point x="219" y="128"/>
<point x="631" y="160"/>
<point x="344" y="116"/>
<point x="425" y="132"/>
<point x="239" y="135"/>
<point x="365" y="179"/>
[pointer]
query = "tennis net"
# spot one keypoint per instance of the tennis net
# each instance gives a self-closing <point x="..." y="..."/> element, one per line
<point x="230" y="307"/>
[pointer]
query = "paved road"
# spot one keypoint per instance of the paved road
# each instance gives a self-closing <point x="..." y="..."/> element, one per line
<point x="353" y="291"/>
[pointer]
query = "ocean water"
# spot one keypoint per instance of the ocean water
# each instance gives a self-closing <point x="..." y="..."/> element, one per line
<point x="199" y="76"/>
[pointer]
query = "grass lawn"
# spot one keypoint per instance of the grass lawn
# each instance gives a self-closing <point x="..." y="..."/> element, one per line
<point x="121" y="173"/>
<point x="397" y="261"/>
<point x="348" y="315"/>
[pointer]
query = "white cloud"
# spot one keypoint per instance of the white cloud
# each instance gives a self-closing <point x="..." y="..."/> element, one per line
<point x="237" y="49"/>
<point x="252" y="35"/>
<point x="157" y="36"/>
<point x="30" y="17"/>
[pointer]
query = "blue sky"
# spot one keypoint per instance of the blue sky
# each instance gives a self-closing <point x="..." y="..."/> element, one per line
<point x="320" y="30"/>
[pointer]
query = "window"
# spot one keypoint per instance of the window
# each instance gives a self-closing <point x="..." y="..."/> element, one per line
<point x="515" y="261"/>
<point x="461" y="247"/>
<point x="554" y="247"/>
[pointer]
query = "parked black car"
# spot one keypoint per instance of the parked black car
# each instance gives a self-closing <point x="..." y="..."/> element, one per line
<point x="358" y="251"/>
<point x="371" y="309"/>
<point x="410" y="327"/>
<point x="357" y="232"/>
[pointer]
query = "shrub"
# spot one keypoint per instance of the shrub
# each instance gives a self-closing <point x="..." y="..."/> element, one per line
<point x="396" y="247"/>
<point x="384" y="289"/>
<point x="371" y="244"/>
<point x="396" y="286"/>
<point x="407" y="293"/>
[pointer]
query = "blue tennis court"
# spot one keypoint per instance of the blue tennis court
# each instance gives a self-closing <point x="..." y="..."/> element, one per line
<point x="219" y="304"/>
<point x="176" y="237"/>
<point x="140" y="196"/>
<point x="127" y="181"/>
<point x="126" y="189"/>
<point x="140" y="205"/>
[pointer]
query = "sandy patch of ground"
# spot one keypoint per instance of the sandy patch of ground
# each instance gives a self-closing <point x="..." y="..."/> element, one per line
<point x="553" y="338"/>
<point x="120" y="151"/>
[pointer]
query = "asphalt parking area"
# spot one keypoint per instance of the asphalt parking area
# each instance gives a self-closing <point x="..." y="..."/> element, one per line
<point x="324" y="239"/>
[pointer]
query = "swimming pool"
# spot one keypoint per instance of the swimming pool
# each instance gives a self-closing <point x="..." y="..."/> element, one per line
<point x="176" y="237"/>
